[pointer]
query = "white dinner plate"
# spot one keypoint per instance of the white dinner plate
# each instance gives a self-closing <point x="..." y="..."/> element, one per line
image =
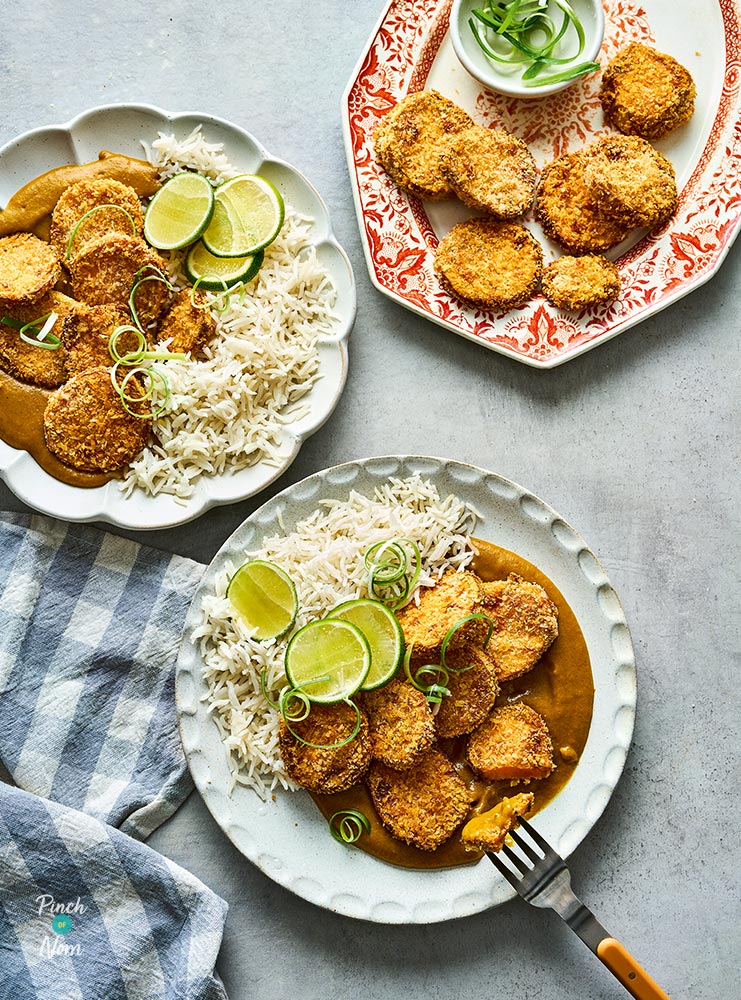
<point x="288" y="838"/>
<point x="123" y="128"/>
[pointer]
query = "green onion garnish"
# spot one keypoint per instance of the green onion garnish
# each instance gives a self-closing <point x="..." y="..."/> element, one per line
<point x="436" y="689"/>
<point x="98" y="208"/>
<point x="145" y="395"/>
<point x="237" y="289"/>
<point x="295" y="706"/>
<point x="522" y="33"/>
<point x="391" y="578"/>
<point x="37" y="333"/>
<point x="139" y="281"/>
<point x="347" y="826"/>
<point x="451" y="632"/>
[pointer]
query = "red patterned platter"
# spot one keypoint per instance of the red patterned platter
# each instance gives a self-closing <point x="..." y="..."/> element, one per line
<point x="410" y="50"/>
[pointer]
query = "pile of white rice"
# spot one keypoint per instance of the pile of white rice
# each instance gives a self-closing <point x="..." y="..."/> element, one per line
<point x="229" y="410"/>
<point x="324" y="558"/>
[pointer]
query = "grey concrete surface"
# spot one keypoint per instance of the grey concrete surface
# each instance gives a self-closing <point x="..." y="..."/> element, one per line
<point x="636" y="444"/>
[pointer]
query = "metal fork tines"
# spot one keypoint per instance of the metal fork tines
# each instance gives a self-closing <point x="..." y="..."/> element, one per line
<point x="541" y="877"/>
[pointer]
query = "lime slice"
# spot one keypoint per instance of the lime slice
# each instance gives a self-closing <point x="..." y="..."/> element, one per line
<point x="328" y="660"/>
<point x="215" y="273"/>
<point x="265" y="598"/>
<point x="248" y="214"/>
<point x="384" y="634"/>
<point x="179" y="212"/>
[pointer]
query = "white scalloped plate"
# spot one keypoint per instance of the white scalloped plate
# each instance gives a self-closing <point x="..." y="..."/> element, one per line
<point x="288" y="838"/>
<point x="122" y="128"/>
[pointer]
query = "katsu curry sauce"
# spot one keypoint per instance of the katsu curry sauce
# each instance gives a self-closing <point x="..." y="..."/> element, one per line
<point x="29" y="211"/>
<point x="560" y="687"/>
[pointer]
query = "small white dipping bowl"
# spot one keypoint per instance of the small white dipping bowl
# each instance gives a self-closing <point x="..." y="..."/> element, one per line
<point x="489" y="73"/>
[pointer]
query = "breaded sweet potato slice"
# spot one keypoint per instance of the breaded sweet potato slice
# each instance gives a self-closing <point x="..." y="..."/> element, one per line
<point x="400" y="723"/>
<point x="425" y="625"/>
<point x="525" y="623"/>
<point x="571" y="213"/>
<point x="87" y="427"/>
<point x="489" y="264"/>
<point x="86" y="335"/>
<point x="105" y="270"/>
<point x="574" y="283"/>
<point x="473" y="691"/>
<point x="488" y="831"/>
<point x="81" y="198"/>
<point x="423" y="805"/>
<point x="189" y="326"/>
<point x="321" y="770"/>
<point x="513" y="742"/>
<point x="646" y="93"/>
<point x="632" y="179"/>
<point x="36" y="365"/>
<point x="491" y="169"/>
<point x="29" y="268"/>
<point x="412" y="138"/>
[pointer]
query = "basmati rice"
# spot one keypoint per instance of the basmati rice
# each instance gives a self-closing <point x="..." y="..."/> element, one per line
<point x="324" y="558"/>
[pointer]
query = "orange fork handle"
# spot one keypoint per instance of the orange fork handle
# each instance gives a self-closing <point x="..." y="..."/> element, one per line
<point x="625" y="968"/>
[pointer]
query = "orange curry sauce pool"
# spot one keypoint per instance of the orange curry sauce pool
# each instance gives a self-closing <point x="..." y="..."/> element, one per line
<point x="560" y="688"/>
<point x="29" y="211"/>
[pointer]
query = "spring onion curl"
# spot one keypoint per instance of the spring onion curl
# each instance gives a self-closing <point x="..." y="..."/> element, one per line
<point x="238" y="290"/>
<point x="295" y="706"/>
<point x="139" y="281"/>
<point x="392" y="577"/>
<point x="86" y="216"/>
<point x="347" y="826"/>
<point x="436" y="689"/>
<point x="526" y="36"/>
<point x="454" y="628"/>
<point x="37" y="333"/>
<point x="143" y="396"/>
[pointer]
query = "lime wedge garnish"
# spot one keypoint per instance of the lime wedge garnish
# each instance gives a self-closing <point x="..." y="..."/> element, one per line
<point x="384" y="634"/>
<point x="248" y="214"/>
<point x="216" y="273"/>
<point x="179" y="212"/>
<point x="328" y="660"/>
<point x="265" y="598"/>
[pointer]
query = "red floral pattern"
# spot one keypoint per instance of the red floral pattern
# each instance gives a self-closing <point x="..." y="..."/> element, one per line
<point x="401" y="240"/>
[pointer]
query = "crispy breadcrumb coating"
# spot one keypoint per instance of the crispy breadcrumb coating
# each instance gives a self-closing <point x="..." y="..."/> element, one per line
<point x="411" y="140"/>
<point x="525" y="624"/>
<point x="491" y="169"/>
<point x="574" y="283"/>
<point x="104" y="272"/>
<point x="425" y="625"/>
<point x="87" y="427"/>
<point x="571" y="213"/>
<point x="36" y="365"/>
<point x="401" y="724"/>
<point x="492" y="265"/>
<point x="473" y="691"/>
<point x="326" y="771"/>
<point x="423" y="805"/>
<point x="86" y="334"/>
<point x="81" y="198"/>
<point x="513" y="742"/>
<point x="646" y="93"/>
<point x="631" y="179"/>
<point x="488" y="831"/>
<point x="189" y="326"/>
<point x="29" y="268"/>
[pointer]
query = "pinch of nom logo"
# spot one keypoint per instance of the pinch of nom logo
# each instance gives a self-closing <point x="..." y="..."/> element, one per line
<point x="61" y="917"/>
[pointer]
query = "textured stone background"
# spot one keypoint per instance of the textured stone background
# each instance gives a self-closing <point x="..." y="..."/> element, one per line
<point x="635" y="444"/>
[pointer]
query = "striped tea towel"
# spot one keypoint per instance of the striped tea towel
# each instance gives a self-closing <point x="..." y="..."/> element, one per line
<point x="90" y="626"/>
<point x="87" y="913"/>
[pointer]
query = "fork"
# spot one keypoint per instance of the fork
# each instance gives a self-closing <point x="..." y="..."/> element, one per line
<point x="544" y="880"/>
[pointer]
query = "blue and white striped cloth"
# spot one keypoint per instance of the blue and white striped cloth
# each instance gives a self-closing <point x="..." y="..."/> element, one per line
<point x="90" y="625"/>
<point x="90" y="914"/>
